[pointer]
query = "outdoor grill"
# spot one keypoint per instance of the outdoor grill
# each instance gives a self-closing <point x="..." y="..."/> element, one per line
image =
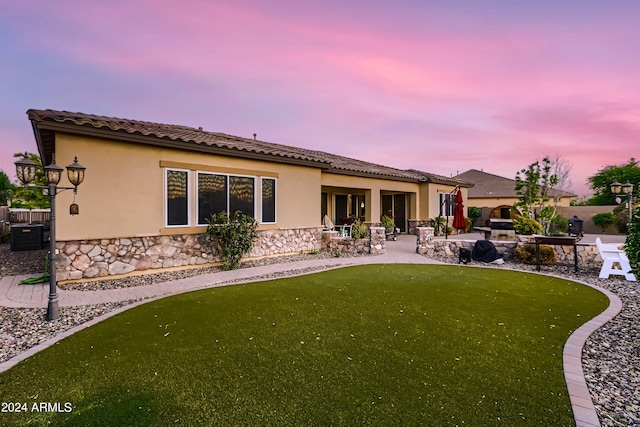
<point x="501" y="224"/>
<point x="502" y="229"/>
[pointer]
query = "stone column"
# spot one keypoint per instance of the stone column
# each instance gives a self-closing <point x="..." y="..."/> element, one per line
<point x="378" y="239"/>
<point x="424" y="245"/>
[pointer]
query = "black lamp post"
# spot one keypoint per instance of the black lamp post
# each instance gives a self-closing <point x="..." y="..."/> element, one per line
<point x="26" y="172"/>
<point x="626" y="188"/>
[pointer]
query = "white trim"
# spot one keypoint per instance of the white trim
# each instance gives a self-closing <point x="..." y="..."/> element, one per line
<point x="165" y="201"/>
<point x="275" y="199"/>
<point x="228" y="176"/>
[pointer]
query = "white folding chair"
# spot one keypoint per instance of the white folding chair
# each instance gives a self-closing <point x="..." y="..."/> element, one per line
<point x="611" y="256"/>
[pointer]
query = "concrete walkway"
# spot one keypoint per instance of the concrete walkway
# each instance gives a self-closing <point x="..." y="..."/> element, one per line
<point x="401" y="251"/>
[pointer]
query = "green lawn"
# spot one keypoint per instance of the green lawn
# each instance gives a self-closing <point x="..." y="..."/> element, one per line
<point x="373" y="345"/>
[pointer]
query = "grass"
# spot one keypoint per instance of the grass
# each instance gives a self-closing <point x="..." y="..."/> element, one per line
<point x="373" y="345"/>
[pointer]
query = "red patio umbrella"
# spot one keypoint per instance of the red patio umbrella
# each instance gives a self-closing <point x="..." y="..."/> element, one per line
<point x="459" y="222"/>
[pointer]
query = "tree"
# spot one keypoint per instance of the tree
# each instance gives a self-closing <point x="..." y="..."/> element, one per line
<point x="533" y="187"/>
<point x="600" y="182"/>
<point x="31" y="198"/>
<point x="562" y="169"/>
<point x="6" y="189"/>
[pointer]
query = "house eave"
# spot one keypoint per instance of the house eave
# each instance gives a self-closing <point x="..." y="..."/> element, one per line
<point x="46" y="148"/>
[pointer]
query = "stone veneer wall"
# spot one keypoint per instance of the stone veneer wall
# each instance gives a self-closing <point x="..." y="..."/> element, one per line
<point x="415" y="223"/>
<point x="105" y="257"/>
<point x="426" y="245"/>
<point x="375" y="245"/>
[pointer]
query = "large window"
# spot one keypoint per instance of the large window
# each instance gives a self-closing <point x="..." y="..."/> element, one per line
<point x="177" y="192"/>
<point x="268" y="200"/>
<point x="241" y="195"/>
<point x="216" y="192"/>
<point x="212" y="195"/>
<point x="228" y="193"/>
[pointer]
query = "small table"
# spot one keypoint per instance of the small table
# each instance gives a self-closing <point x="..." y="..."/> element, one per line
<point x="560" y="241"/>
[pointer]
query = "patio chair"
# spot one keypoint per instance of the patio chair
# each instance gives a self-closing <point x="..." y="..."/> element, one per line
<point x="328" y="224"/>
<point x="345" y="230"/>
<point x="612" y="255"/>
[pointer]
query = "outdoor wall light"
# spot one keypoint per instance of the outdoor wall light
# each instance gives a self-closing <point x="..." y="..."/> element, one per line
<point x="25" y="169"/>
<point x="53" y="172"/>
<point x="26" y="173"/>
<point x="75" y="173"/>
<point x="616" y="187"/>
<point x="626" y="188"/>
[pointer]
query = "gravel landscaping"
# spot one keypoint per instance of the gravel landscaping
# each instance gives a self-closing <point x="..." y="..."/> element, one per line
<point x="611" y="357"/>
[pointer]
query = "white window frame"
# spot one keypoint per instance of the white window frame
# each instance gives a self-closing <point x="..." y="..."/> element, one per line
<point x="166" y="198"/>
<point x="446" y="207"/>
<point x="228" y="175"/>
<point x="275" y="197"/>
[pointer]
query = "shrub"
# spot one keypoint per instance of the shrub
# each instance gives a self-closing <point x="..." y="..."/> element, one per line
<point x="233" y="236"/>
<point x="632" y="245"/>
<point x="560" y="224"/>
<point x="527" y="254"/>
<point x="359" y="230"/>
<point x="469" y="222"/>
<point x="438" y="225"/>
<point x="622" y="217"/>
<point x="604" y="220"/>
<point x="524" y="225"/>
<point x="473" y="213"/>
<point x="387" y="222"/>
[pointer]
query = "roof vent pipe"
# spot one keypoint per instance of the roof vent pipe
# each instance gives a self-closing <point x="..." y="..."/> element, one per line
<point x="254" y="136"/>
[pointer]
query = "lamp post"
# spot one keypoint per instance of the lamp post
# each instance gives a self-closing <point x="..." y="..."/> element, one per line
<point x="626" y="188"/>
<point x="26" y="172"/>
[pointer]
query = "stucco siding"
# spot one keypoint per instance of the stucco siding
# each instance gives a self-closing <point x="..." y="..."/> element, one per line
<point x="123" y="192"/>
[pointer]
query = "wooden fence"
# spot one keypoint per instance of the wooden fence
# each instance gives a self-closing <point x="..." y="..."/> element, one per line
<point x="29" y="216"/>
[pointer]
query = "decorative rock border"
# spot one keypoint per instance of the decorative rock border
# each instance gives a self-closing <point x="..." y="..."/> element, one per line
<point x="105" y="257"/>
<point x="426" y="245"/>
<point x="375" y="245"/>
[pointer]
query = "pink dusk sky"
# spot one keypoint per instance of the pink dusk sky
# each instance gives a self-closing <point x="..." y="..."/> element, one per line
<point x="440" y="86"/>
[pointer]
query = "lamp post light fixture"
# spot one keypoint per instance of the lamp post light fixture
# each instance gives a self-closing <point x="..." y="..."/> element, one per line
<point x="626" y="188"/>
<point x="26" y="173"/>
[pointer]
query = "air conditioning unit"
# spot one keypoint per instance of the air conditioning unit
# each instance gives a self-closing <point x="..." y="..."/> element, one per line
<point x="27" y="237"/>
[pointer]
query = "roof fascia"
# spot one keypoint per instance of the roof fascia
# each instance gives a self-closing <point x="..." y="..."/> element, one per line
<point x="101" y="133"/>
<point x="337" y="171"/>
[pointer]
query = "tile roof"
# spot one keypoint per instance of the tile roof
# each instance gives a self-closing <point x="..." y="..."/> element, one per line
<point x="488" y="185"/>
<point x="195" y="138"/>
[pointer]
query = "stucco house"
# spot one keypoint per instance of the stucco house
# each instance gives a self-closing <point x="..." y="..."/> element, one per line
<point x="150" y="187"/>
<point x="495" y="195"/>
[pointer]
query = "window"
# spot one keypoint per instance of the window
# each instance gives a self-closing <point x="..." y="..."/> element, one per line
<point x="177" y="192"/>
<point x="217" y="193"/>
<point x="268" y="200"/>
<point x="241" y="195"/>
<point x="212" y="195"/>
<point x="447" y="203"/>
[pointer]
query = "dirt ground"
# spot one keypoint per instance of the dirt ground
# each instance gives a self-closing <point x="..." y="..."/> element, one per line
<point x="14" y="263"/>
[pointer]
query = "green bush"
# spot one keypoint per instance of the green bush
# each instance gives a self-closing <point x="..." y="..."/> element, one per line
<point x="232" y="236"/>
<point x="527" y="254"/>
<point x="632" y="245"/>
<point x="524" y="225"/>
<point x="359" y="230"/>
<point x="604" y="220"/>
<point x="622" y="217"/>
<point x="560" y="224"/>
<point x="473" y="213"/>
<point x="438" y="225"/>
<point x="387" y="222"/>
